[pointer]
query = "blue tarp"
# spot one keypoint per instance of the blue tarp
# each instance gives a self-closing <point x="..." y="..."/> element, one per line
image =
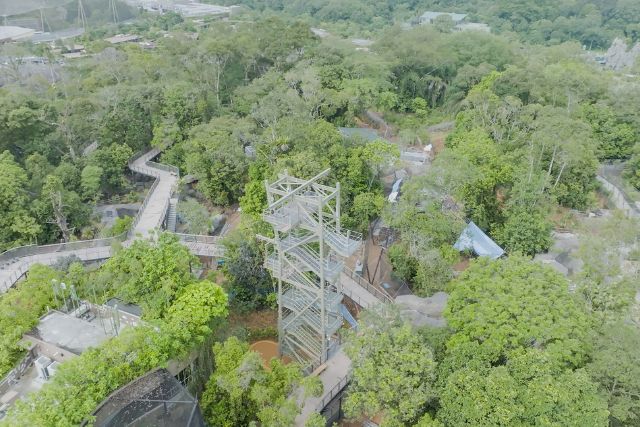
<point x="348" y="317"/>
<point x="473" y="238"/>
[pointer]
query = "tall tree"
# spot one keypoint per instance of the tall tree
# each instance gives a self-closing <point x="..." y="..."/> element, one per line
<point x="17" y="225"/>
<point x="399" y="387"/>
<point x="615" y="366"/>
<point x="151" y="274"/>
<point x="512" y="304"/>
<point x="242" y="391"/>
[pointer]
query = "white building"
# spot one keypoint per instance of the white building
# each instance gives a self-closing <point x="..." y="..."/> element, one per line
<point x="430" y="17"/>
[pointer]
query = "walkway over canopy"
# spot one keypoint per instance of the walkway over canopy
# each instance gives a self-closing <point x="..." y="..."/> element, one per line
<point x="15" y="262"/>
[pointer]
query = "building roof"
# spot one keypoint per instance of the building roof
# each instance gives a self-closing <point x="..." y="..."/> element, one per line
<point x="123" y="38"/>
<point x="68" y="332"/>
<point x="362" y="42"/>
<point x="430" y="16"/>
<point x="364" y="133"/>
<point x="15" y="33"/>
<point x="194" y="9"/>
<point x="132" y="309"/>
<point x="474" y="26"/>
<point x="155" y="398"/>
<point x="320" y="32"/>
<point x="473" y="238"/>
<point x="57" y="35"/>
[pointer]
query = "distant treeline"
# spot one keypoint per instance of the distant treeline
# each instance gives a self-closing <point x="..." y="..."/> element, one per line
<point x="594" y="23"/>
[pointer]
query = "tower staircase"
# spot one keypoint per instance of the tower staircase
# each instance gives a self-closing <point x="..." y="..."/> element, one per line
<point x="307" y="259"/>
<point x="172" y="215"/>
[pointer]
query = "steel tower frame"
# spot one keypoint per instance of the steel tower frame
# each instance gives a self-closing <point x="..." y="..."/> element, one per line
<point x="306" y="257"/>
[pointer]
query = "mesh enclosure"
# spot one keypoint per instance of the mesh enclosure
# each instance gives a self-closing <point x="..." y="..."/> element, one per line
<point x="156" y="399"/>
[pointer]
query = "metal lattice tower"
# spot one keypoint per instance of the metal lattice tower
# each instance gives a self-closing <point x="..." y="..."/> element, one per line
<point x="82" y="17"/>
<point x="306" y="258"/>
<point x="114" y="10"/>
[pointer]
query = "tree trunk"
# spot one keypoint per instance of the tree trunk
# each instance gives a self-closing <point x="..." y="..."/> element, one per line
<point x="60" y="217"/>
<point x="555" y="184"/>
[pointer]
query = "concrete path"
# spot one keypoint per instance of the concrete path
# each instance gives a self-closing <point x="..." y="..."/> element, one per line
<point x="357" y="293"/>
<point x="333" y="376"/>
<point x="361" y="291"/>
<point x="155" y="208"/>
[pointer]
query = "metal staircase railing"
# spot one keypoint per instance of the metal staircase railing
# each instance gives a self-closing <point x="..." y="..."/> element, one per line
<point x="307" y="341"/>
<point x="331" y="268"/>
<point x="302" y="302"/>
<point x="289" y="274"/>
<point x="284" y="218"/>
<point x="344" y="244"/>
<point x="172" y="216"/>
<point x="307" y="261"/>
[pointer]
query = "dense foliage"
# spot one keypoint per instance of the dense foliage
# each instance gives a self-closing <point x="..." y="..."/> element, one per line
<point x="243" y="391"/>
<point x="233" y="104"/>
<point x="393" y="371"/>
<point x="247" y="281"/>
<point x="20" y="310"/>
<point x="592" y="22"/>
<point x="518" y="350"/>
<point x="150" y="274"/>
<point x="84" y="381"/>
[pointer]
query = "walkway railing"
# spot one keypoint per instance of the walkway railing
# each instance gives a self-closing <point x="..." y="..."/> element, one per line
<point x="199" y="238"/>
<point x="614" y="185"/>
<point x="335" y="390"/>
<point x="14" y="254"/>
<point x="148" y="167"/>
<point x="380" y="294"/>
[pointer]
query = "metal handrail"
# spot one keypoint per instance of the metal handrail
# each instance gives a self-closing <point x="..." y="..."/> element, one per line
<point x="199" y="238"/>
<point x="335" y="390"/>
<point x="370" y="287"/>
<point x="29" y="250"/>
<point x="13" y="254"/>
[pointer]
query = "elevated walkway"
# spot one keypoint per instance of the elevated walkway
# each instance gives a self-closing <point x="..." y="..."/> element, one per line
<point x="334" y="377"/>
<point x="362" y="292"/>
<point x="15" y="263"/>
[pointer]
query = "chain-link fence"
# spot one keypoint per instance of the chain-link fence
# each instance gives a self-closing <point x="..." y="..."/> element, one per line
<point x="155" y="399"/>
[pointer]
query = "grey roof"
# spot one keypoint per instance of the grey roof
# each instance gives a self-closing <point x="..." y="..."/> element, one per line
<point x="68" y="332"/>
<point x="365" y="133"/>
<point x="429" y="16"/>
<point x="362" y="42"/>
<point x="57" y="35"/>
<point x="475" y="239"/>
<point x="125" y="307"/>
<point x="154" y="399"/>
<point x="15" y="33"/>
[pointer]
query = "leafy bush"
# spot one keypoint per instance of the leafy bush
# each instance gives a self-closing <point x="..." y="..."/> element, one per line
<point x="20" y="310"/>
